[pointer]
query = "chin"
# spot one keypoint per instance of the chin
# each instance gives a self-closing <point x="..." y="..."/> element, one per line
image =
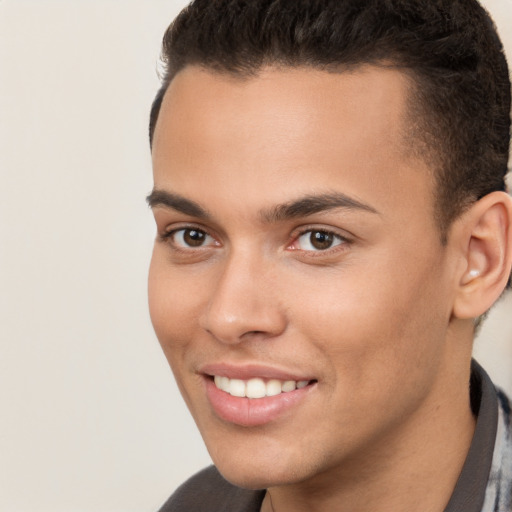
<point x="248" y="472"/>
<point x="251" y="482"/>
<point x="254" y="479"/>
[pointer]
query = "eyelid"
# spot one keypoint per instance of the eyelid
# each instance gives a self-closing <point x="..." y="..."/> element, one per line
<point x="343" y="237"/>
<point x="169" y="232"/>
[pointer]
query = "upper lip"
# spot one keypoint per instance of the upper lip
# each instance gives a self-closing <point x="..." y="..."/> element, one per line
<point x="250" y="371"/>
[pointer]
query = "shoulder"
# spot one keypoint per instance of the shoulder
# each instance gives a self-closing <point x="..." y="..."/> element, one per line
<point x="208" y="491"/>
<point x="498" y="494"/>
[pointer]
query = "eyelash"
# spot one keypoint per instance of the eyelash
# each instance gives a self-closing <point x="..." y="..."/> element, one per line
<point x="169" y="235"/>
<point x="341" y="240"/>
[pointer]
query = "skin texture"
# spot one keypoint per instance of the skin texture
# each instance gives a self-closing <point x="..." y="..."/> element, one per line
<point x="371" y="319"/>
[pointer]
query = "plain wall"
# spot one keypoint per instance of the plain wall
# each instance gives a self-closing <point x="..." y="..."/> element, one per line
<point x="90" y="419"/>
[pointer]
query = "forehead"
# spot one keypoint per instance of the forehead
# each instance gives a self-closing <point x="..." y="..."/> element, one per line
<point x="308" y="128"/>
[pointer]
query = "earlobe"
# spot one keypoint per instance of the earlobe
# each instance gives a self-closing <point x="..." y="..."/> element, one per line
<point x="487" y="255"/>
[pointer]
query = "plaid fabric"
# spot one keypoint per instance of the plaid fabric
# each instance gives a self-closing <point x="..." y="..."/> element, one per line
<point x="498" y="495"/>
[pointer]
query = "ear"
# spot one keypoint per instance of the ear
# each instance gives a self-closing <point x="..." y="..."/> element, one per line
<point x="485" y="241"/>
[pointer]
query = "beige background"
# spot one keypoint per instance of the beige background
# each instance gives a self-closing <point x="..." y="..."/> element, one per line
<point x="90" y="419"/>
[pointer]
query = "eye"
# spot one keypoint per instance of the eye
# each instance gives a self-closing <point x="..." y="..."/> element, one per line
<point x="190" y="238"/>
<point x="317" y="240"/>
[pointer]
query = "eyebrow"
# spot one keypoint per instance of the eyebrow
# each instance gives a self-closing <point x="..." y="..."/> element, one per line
<point x="302" y="207"/>
<point x="311" y="204"/>
<point x="176" y="202"/>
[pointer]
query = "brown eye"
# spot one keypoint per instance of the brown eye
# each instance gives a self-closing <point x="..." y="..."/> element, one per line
<point x="321" y="240"/>
<point x="318" y="240"/>
<point x="194" y="238"/>
<point x="190" y="238"/>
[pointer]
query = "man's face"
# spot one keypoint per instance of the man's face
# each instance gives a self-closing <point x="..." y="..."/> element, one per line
<point x="296" y="242"/>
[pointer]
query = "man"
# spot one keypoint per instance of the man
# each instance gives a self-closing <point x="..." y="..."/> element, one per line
<point x="332" y="222"/>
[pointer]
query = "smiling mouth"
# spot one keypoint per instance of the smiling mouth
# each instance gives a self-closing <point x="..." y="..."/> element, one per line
<point x="257" y="387"/>
<point x="254" y="396"/>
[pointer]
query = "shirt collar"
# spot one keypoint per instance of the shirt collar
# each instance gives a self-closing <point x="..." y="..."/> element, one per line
<point x="469" y="492"/>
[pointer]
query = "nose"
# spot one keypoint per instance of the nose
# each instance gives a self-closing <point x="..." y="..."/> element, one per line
<point x="244" y="302"/>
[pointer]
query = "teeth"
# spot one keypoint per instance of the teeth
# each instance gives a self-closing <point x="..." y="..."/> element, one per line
<point x="274" y="387"/>
<point x="289" y="385"/>
<point x="237" y="387"/>
<point x="224" y="384"/>
<point x="257" y="388"/>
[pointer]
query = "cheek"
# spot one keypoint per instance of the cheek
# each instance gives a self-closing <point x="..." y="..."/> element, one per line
<point x="376" y="322"/>
<point x="173" y="304"/>
<point x="174" y="300"/>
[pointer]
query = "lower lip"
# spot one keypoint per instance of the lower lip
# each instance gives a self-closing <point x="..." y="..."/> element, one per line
<point x="252" y="412"/>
